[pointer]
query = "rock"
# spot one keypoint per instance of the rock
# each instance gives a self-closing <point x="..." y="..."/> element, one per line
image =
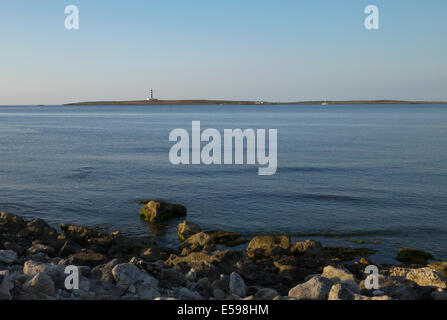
<point x="218" y="294"/>
<point x="187" y="229"/>
<point x="147" y="291"/>
<point x="412" y="256"/>
<point x="90" y="259"/>
<point x="171" y="278"/>
<point x="69" y="247"/>
<point x="439" y="266"/>
<point x="230" y="239"/>
<point x="40" y="248"/>
<point x="5" y="285"/>
<point x="9" y="245"/>
<point x="317" y="288"/>
<point x="340" y="292"/>
<point x="8" y="256"/>
<point x="11" y="221"/>
<point x="198" y="242"/>
<point x="104" y="272"/>
<point x="157" y="211"/>
<point x="186" y="294"/>
<point x="351" y="285"/>
<point x="191" y="275"/>
<point x="56" y="272"/>
<point x="307" y="247"/>
<point x="128" y="274"/>
<point x="266" y="294"/>
<point x="266" y="246"/>
<point x="156" y="253"/>
<point x="399" y="289"/>
<point x="80" y="234"/>
<point x="337" y="274"/>
<point x="237" y="285"/>
<point x="38" y="229"/>
<point x="427" y="277"/>
<point x="293" y="268"/>
<point x="41" y="283"/>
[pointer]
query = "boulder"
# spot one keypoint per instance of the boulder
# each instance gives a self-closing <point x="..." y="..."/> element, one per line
<point x="7" y="256"/>
<point x="40" y="248"/>
<point x="198" y="242"/>
<point x="11" y="221"/>
<point x="340" y="292"/>
<point x="147" y="291"/>
<point x="266" y="294"/>
<point x="237" y="285"/>
<point x="266" y="246"/>
<point x="9" y="245"/>
<point x="127" y="274"/>
<point x="104" y="272"/>
<point x="398" y="288"/>
<point x="41" y="283"/>
<point x="38" y="229"/>
<point x="187" y="229"/>
<point x="307" y="247"/>
<point x="171" y="278"/>
<point x="229" y="239"/>
<point x="55" y="271"/>
<point x="157" y="211"/>
<point x="337" y="274"/>
<point x="69" y="247"/>
<point x="317" y="288"/>
<point x="427" y="277"/>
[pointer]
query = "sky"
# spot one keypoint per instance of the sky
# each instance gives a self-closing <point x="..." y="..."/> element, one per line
<point x="288" y="50"/>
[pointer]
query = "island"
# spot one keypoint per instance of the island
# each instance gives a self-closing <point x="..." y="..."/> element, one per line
<point x="232" y="102"/>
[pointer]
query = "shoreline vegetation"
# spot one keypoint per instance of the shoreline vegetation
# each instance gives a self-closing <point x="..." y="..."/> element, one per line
<point x="33" y="257"/>
<point x="230" y="102"/>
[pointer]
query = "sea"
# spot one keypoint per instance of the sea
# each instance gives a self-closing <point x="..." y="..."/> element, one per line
<point x="348" y="175"/>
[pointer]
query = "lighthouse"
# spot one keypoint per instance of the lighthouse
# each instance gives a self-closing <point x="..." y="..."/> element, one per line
<point x="151" y="95"/>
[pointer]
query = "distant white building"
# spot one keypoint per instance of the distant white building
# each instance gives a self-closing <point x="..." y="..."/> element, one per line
<point x="151" y="96"/>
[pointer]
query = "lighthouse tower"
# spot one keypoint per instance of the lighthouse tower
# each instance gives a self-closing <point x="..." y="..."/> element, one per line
<point x="151" y="96"/>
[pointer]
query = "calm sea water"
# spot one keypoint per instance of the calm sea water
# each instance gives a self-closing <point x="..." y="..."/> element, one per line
<point x="359" y="172"/>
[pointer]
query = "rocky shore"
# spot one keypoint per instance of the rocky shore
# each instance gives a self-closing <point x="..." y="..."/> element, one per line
<point x="33" y="258"/>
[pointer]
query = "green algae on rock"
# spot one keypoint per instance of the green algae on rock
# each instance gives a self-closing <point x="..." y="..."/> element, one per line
<point x="413" y="256"/>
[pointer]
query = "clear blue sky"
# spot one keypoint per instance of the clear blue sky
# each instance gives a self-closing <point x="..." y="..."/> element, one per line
<point x="229" y="49"/>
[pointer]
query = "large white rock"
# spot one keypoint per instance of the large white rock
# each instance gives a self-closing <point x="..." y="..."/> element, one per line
<point x="337" y="274"/>
<point x="316" y="288"/>
<point x="8" y="256"/>
<point x="237" y="285"/>
<point x="55" y="271"/>
<point x="127" y="274"/>
<point x="340" y="292"/>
